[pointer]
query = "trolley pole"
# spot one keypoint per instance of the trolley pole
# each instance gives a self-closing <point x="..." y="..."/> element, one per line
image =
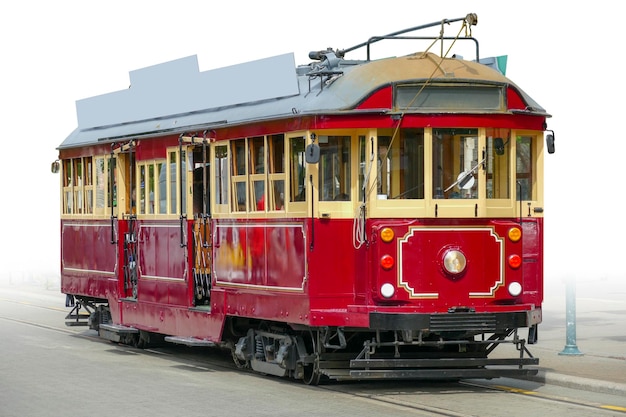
<point x="570" y="319"/>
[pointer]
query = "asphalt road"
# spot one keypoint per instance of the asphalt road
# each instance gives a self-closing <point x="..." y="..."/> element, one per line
<point x="48" y="369"/>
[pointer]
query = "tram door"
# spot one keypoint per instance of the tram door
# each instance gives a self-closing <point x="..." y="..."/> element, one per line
<point x="201" y="226"/>
<point x="127" y="218"/>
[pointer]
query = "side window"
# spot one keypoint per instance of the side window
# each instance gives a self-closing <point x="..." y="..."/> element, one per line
<point x="146" y="187"/>
<point x="78" y="187"/>
<point x="297" y="170"/>
<point x="168" y="193"/>
<point x="68" y="183"/>
<point x="161" y="195"/>
<point x="257" y="173"/>
<point x="172" y="190"/>
<point x="88" y="188"/>
<point x="78" y="182"/>
<point x="141" y="189"/>
<point x="239" y="175"/>
<point x="524" y="168"/>
<point x="150" y="189"/>
<point x="220" y="161"/>
<point x="335" y="168"/>
<point x="276" y="154"/>
<point x="201" y="182"/>
<point x="101" y="180"/>
<point x="111" y="179"/>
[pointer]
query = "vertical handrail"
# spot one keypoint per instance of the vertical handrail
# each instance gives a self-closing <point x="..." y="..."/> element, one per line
<point x="205" y="197"/>
<point x="183" y="214"/>
<point x="312" y="213"/>
<point x="112" y="188"/>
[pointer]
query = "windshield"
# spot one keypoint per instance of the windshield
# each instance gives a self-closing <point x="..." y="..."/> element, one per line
<point x="455" y="162"/>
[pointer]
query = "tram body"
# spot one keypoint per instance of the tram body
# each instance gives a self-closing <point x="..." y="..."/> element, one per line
<point x="346" y="219"/>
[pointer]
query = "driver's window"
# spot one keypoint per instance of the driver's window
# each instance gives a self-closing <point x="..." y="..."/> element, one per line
<point x="498" y="163"/>
<point x="400" y="164"/>
<point x="524" y="168"/>
<point x="455" y="162"/>
<point x="335" y="168"/>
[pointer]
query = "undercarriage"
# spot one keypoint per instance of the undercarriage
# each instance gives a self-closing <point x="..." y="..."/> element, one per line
<point x="338" y="353"/>
<point x="352" y="354"/>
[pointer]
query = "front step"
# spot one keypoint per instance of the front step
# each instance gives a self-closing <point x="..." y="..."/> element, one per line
<point x="189" y="341"/>
<point x="75" y="317"/>
<point x="432" y="369"/>
<point x="116" y="332"/>
<point x="77" y="320"/>
<point x="442" y="373"/>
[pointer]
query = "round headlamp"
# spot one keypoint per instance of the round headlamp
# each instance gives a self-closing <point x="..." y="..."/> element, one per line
<point x="454" y="261"/>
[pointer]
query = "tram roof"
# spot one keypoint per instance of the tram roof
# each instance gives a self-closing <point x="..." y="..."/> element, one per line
<point x="175" y="97"/>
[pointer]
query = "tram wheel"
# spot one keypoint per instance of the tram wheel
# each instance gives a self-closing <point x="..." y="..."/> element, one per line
<point x="238" y="362"/>
<point x="138" y="341"/>
<point x="312" y="375"/>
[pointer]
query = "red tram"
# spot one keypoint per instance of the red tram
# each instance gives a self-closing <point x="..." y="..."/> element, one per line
<point x="346" y="219"/>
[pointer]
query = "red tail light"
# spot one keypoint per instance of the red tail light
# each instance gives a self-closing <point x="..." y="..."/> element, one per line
<point x="387" y="262"/>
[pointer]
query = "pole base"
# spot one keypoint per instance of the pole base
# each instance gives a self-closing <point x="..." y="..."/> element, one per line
<point x="571" y="350"/>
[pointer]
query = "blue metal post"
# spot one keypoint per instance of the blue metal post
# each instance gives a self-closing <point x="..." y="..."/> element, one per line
<point x="570" y="319"/>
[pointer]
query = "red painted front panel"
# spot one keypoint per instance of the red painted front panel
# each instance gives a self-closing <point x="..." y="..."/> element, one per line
<point x="420" y="270"/>
<point x="423" y="285"/>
